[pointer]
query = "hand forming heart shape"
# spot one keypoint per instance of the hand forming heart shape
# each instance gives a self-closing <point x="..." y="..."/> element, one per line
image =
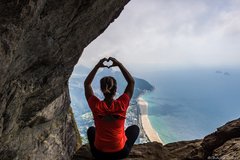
<point x="108" y="63"/>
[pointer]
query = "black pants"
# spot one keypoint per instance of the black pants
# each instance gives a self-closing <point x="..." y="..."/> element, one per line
<point x="131" y="133"/>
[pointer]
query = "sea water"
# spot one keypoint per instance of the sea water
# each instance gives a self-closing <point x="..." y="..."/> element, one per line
<point x="189" y="104"/>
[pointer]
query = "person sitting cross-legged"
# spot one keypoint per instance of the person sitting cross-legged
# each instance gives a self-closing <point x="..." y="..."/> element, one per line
<point x="108" y="139"/>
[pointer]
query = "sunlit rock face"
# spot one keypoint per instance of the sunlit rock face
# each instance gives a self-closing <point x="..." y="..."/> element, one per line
<point x="40" y="42"/>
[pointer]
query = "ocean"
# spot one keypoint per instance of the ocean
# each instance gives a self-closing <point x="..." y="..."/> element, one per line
<point x="190" y="104"/>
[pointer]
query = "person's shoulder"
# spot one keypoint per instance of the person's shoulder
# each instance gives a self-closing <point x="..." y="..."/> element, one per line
<point x="124" y="97"/>
<point x="93" y="98"/>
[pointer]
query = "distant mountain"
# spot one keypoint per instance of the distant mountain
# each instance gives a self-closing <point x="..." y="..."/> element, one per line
<point x="224" y="73"/>
<point x="218" y="71"/>
<point x="143" y="84"/>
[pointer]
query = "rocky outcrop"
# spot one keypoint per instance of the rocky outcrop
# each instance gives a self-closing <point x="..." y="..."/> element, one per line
<point x="40" y="42"/>
<point x="227" y="132"/>
<point x="222" y="144"/>
<point x="229" y="150"/>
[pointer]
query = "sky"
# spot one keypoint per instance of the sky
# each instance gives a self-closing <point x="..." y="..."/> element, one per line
<point x="171" y="34"/>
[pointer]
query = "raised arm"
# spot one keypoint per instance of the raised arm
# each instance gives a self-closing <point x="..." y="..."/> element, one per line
<point x="130" y="86"/>
<point x="89" y="79"/>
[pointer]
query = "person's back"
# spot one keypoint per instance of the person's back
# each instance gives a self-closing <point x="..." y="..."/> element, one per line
<point x="109" y="121"/>
<point x="109" y="140"/>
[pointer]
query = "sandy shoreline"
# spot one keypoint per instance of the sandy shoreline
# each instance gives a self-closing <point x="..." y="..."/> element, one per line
<point x="147" y="127"/>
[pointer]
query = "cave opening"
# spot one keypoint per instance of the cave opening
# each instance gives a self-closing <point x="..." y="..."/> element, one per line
<point x="185" y="54"/>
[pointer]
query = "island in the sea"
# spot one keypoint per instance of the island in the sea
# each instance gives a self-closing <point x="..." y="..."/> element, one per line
<point x="224" y="73"/>
<point x="137" y="111"/>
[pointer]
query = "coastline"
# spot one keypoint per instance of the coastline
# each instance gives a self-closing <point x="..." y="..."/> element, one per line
<point x="150" y="132"/>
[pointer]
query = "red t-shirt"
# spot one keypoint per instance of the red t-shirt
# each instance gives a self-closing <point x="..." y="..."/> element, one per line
<point x="109" y="122"/>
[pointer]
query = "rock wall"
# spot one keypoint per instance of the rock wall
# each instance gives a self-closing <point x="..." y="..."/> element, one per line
<point x="41" y="41"/>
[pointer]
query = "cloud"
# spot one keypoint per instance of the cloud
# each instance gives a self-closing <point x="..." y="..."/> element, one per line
<point x="171" y="33"/>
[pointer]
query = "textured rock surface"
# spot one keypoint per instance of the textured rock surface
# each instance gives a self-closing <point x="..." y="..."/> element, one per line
<point x="41" y="41"/>
<point x="229" y="148"/>
<point x="229" y="131"/>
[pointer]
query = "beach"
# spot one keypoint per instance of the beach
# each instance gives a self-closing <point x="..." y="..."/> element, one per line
<point x="147" y="127"/>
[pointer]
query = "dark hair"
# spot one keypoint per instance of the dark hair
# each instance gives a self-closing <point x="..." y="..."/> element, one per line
<point x="108" y="86"/>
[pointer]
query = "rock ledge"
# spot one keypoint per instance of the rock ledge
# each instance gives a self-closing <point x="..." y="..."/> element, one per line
<point x="222" y="144"/>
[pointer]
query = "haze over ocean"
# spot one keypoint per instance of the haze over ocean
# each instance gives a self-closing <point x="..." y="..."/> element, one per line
<point x="189" y="104"/>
